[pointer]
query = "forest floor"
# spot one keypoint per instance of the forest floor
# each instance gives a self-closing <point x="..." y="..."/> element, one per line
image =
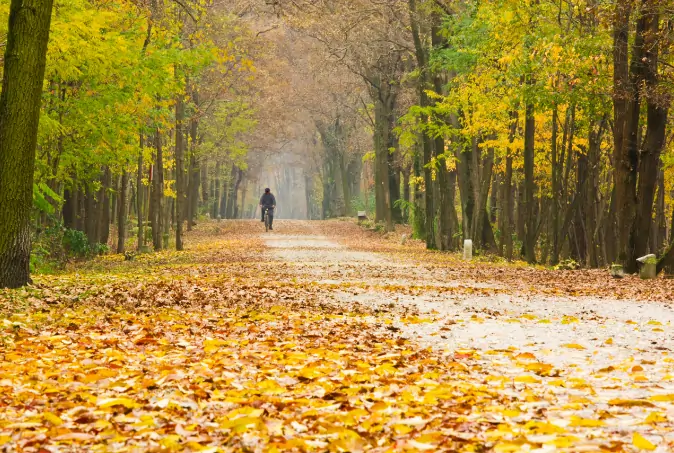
<point x="321" y="336"/>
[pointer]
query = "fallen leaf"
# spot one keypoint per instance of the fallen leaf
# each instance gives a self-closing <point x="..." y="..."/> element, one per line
<point x="641" y="442"/>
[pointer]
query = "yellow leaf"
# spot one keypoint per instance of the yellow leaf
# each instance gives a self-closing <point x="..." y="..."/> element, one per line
<point x="310" y="373"/>
<point x="564" y="441"/>
<point x="421" y="445"/>
<point x="510" y="413"/>
<point x="240" y="423"/>
<point x="402" y="429"/>
<point x="212" y="345"/>
<point x="52" y="418"/>
<point x="172" y="442"/>
<point x="5" y="440"/>
<point x="574" y="346"/>
<point x="526" y="379"/>
<point x="641" y="442"/>
<point x="379" y="406"/>
<point x="539" y="368"/>
<point x="662" y="398"/>
<point x="543" y="428"/>
<point x="586" y="422"/>
<point x="609" y="341"/>
<point x="655" y="417"/>
<point x="508" y="447"/>
<point x="569" y="320"/>
<point x="111" y="402"/>
<point x="630" y="403"/>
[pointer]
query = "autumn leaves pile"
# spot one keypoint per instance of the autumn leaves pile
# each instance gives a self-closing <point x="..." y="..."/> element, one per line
<point x="222" y="349"/>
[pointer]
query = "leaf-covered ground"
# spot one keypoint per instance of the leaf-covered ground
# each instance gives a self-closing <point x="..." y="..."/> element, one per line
<point x="322" y="337"/>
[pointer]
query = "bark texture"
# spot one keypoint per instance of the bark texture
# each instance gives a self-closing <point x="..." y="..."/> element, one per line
<point x="23" y="74"/>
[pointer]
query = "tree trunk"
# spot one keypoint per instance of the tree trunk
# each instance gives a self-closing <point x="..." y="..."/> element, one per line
<point x="244" y="199"/>
<point x="216" y="191"/>
<point x="407" y="173"/>
<point x="104" y="200"/>
<point x="659" y="233"/>
<point x="621" y="30"/>
<point x="507" y="205"/>
<point x="90" y="217"/>
<point x="383" y="211"/>
<point x="654" y="142"/>
<point x="157" y="192"/>
<point x="81" y="210"/>
<point x="235" y="193"/>
<point x="530" y="225"/>
<point x="113" y="201"/>
<point x="421" y="53"/>
<point x="140" y="197"/>
<point x="69" y="207"/>
<point x="493" y="199"/>
<point x="308" y="180"/>
<point x="419" y="215"/>
<point x="627" y="155"/>
<point x="580" y="228"/>
<point x="122" y="214"/>
<point x="556" y="201"/>
<point x="195" y="176"/>
<point x="23" y="76"/>
<point x="224" y="198"/>
<point x="393" y="174"/>
<point x="509" y="210"/>
<point x="180" y="170"/>
<point x="464" y="162"/>
<point x="205" y="192"/>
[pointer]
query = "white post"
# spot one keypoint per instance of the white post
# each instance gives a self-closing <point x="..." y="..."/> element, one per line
<point x="649" y="266"/>
<point x="467" y="249"/>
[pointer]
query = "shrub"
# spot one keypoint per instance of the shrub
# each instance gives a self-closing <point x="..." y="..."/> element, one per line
<point x="54" y="246"/>
<point x="75" y="243"/>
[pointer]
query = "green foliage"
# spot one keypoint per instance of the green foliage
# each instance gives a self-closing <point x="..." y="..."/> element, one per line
<point x="108" y="81"/>
<point x="48" y="253"/>
<point x="75" y="243"/>
<point x="40" y="193"/>
<point x="414" y="216"/>
<point x="55" y="246"/>
<point x="568" y="265"/>
<point x="365" y="202"/>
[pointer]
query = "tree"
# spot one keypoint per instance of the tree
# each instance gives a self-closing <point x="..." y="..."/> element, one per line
<point x="24" y="67"/>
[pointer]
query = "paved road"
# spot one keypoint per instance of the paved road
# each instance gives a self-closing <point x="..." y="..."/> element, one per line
<point x="617" y="349"/>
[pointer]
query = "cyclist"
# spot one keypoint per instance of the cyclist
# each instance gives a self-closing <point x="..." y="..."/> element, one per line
<point x="268" y="203"/>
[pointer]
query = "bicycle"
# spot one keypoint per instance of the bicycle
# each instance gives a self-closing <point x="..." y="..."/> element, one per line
<point x="266" y="220"/>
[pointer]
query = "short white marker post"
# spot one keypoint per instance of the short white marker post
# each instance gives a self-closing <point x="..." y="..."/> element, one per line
<point x="649" y="267"/>
<point x="468" y="249"/>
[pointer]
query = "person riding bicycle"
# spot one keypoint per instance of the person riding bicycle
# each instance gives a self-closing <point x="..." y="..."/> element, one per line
<point x="268" y="203"/>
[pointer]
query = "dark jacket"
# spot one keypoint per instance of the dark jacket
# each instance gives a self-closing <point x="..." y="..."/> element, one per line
<point x="268" y="200"/>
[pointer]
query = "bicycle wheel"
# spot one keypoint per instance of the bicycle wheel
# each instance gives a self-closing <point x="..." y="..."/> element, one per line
<point x="266" y="221"/>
